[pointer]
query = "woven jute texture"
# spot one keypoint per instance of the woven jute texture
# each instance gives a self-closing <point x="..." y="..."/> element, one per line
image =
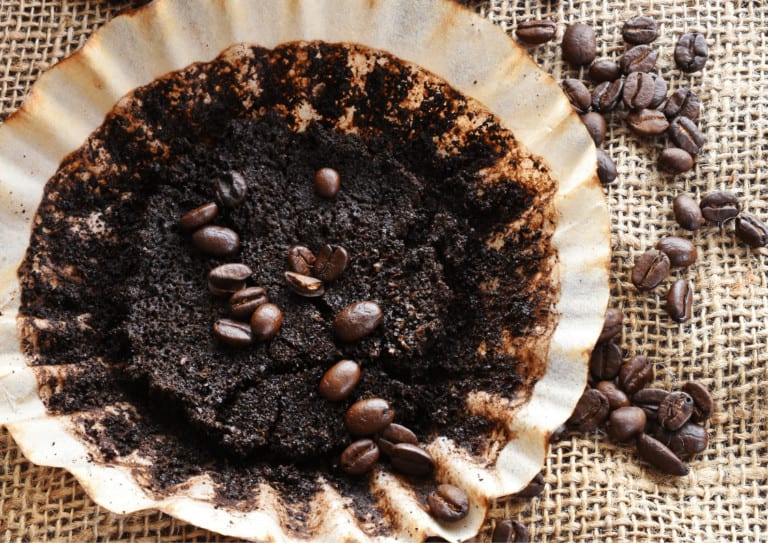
<point x="595" y="490"/>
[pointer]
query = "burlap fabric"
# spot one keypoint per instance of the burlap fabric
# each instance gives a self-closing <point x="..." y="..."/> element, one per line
<point x="596" y="491"/>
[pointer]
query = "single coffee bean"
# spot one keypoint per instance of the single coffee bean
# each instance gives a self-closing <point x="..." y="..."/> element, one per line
<point x="577" y="94"/>
<point x="650" y="269"/>
<point x="244" y="302"/>
<point x="510" y="531"/>
<point x="639" y="30"/>
<point x="233" y="333"/>
<point x="683" y="103"/>
<point x="635" y="374"/>
<point x="649" y="399"/>
<point x="615" y="396"/>
<point x="579" y="44"/>
<point x="300" y="260"/>
<point x="606" y="95"/>
<point x="534" y="488"/>
<point x="673" y="160"/>
<point x="357" y="320"/>
<point x="680" y="300"/>
<point x="681" y="252"/>
<point x="330" y="263"/>
<point x="266" y="321"/>
<point x="231" y="189"/>
<point x="686" y="135"/>
<point x="751" y="230"/>
<point x="641" y="58"/>
<point x="606" y="168"/>
<point x="703" y="404"/>
<point x="360" y="457"/>
<point x="448" y="503"/>
<point x="366" y="417"/>
<point x="605" y="360"/>
<point x="639" y="90"/>
<point x="659" y="456"/>
<point x="595" y="125"/>
<point x="689" y="440"/>
<point x="648" y="122"/>
<point x="659" y="90"/>
<point x="604" y="70"/>
<point x="675" y="410"/>
<point x="611" y="325"/>
<point x="216" y="240"/>
<point x="687" y="212"/>
<point x="536" y="32"/>
<point x="412" y="460"/>
<point x="339" y="381"/>
<point x="691" y="52"/>
<point x="625" y="423"/>
<point x="719" y="206"/>
<point x="304" y="285"/>
<point x="229" y="278"/>
<point x="591" y="411"/>
<point x="327" y="182"/>
<point x="394" y="434"/>
<point x="200" y="216"/>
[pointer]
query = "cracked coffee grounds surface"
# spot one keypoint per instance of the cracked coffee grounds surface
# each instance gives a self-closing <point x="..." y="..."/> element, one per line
<point x="445" y="218"/>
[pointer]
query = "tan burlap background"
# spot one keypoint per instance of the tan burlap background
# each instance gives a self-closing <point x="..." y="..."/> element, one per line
<point x="596" y="491"/>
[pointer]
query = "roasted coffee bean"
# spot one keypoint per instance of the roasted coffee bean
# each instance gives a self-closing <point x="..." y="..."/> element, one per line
<point x="650" y="269"/>
<point x="448" y="503"/>
<point x="590" y="412"/>
<point x="659" y="456"/>
<point x="649" y="399"/>
<point x="681" y="252"/>
<point x="639" y="30"/>
<point x="719" y="206"/>
<point x="579" y="44"/>
<point x="216" y="240"/>
<point x="394" y="434"/>
<point x="534" y="488"/>
<point x="233" y="333"/>
<point x="366" y="417"/>
<point x="510" y="531"/>
<point x="675" y="410"/>
<point x="680" y="300"/>
<point x="327" y="182"/>
<point x="228" y="278"/>
<point x="536" y="32"/>
<point x="751" y="230"/>
<point x="686" y="135"/>
<point x="605" y="360"/>
<point x="300" y="260"/>
<point x="659" y="90"/>
<point x="703" y="404"/>
<point x="635" y="374"/>
<point x="360" y="457"/>
<point x="689" y="440"/>
<point x="231" y="189"/>
<point x="357" y="320"/>
<point x="683" y="103"/>
<point x="410" y="459"/>
<point x="611" y="325"/>
<point x="625" y="423"/>
<point x="266" y="321"/>
<point x="606" y="168"/>
<point x="304" y="285"/>
<point x="577" y="94"/>
<point x="673" y="160"/>
<point x="648" y="122"/>
<point x="199" y="216"/>
<point x="244" y="302"/>
<point x="595" y="125"/>
<point x="691" y="52"/>
<point x="639" y="90"/>
<point x="641" y="58"/>
<point x="604" y="70"/>
<point x="606" y="95"/>
<point x="330" y="263"/>
<point x="339" y="381"/>
<point x="615" y="396"/>
<point x="687" y="212"/>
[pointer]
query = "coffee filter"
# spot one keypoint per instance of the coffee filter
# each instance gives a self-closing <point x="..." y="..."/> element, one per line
<point x="476" y="58"/>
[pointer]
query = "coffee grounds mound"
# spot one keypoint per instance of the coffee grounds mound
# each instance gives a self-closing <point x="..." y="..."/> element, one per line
<point x="117" y="317"/>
